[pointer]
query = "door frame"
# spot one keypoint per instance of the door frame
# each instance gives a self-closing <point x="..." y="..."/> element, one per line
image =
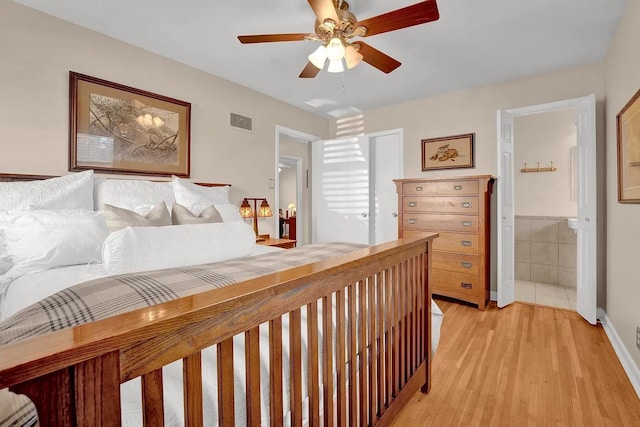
<point x="297" y="161"/>
<point x="283" y="130"/>
<point x="587" y="201"/>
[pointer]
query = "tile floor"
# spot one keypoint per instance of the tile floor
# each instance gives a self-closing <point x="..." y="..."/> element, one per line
<point x="545" y="294"/>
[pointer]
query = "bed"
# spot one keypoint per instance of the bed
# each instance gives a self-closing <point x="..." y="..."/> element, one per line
<point x="333" y="334"/>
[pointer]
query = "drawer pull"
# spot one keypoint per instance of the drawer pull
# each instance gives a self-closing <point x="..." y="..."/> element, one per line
<point x="418" y="188"/>
<point x="466" y="223"/>
<point x="466" y="285"/>
<point x="457" y="187"/>
<point x="413" y="221"/>
<point x="412" y="204"/>
<point x="466" y="204"/>
<point x="466" y="264"/>
<point x="465" y="243"/>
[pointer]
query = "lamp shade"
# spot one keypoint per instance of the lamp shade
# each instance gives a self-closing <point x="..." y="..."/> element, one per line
<point x="335" y="49"/>
<point x="265" y="209"/>
<point x="335" y="66"/>
<point x="352" y="57"/>
<point x="245" y="209"/>
<point x="319" y="57"/>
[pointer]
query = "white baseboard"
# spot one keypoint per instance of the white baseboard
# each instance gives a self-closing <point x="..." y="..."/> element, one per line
<point x="629" y="365"/>
<point x="493" y="296"/>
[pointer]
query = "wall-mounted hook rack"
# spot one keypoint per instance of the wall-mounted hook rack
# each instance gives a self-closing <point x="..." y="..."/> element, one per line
<point x="550" y="168"/>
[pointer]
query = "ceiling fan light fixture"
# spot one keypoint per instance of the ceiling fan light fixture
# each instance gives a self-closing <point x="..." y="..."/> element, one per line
<point x="318" y="57"/>
<point x="352" y="57"/>
<point x="335" y="66"/>
<point x="335" y="49"/>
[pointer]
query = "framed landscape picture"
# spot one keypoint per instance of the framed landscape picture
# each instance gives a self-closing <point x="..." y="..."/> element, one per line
<point x="628" y="130"/>
<point x="120" y="129"/>
<point x="449" y="152"/>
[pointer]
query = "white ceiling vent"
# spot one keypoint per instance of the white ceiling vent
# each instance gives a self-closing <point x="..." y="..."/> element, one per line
<point x="241" y="122"/>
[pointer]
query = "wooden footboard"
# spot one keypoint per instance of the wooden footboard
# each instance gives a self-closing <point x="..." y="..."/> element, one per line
<point x="365" y="347"/>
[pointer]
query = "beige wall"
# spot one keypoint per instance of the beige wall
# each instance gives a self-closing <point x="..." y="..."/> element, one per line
<point x="545" y="137"/>
<point x="622" y="80"/>
<point x="474" y="110"/>
<point x="38" y="51"/>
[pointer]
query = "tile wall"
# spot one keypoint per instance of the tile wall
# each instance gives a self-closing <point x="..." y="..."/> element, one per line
<point x="545" y="250"/>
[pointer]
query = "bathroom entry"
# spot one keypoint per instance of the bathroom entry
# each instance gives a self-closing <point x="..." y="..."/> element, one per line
<point x="586" y="223"/>
<point x="545" y="187"/>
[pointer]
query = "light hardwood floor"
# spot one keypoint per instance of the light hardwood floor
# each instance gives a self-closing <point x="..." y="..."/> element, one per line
<point x="523" y="365"/>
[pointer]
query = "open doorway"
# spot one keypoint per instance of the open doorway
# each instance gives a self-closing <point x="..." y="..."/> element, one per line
<point x="586" y="221"/>
<point x="292" y="183"/>
<point x="545" y="188"/>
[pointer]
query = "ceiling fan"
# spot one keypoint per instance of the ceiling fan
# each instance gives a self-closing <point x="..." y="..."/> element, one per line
<point x="335" y="26"/>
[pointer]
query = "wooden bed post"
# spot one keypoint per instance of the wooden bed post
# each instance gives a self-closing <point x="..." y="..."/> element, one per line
<point x="84" y="394"/>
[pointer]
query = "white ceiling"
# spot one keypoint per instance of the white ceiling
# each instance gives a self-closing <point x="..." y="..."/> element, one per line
<point x="473" y="43"/>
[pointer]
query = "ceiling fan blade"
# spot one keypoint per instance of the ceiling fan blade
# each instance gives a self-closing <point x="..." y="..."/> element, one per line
<point x="374" y="57"/>
<point x="267" y="38"/>
<point x="324" y="9"/>
<point x="309" y="72"/>
<point x="419" y="13"/>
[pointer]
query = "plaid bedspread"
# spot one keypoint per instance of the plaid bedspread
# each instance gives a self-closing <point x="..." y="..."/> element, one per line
<point x="110" y="296"/>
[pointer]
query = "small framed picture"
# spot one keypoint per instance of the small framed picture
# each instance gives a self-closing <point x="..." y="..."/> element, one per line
<point x="449" y="152"/>
<point x="628" y="129"/>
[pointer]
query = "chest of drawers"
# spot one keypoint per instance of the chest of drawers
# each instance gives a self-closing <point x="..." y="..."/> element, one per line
<point x="459" y="210"/>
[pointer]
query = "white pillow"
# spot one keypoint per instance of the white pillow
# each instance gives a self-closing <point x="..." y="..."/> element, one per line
<point x="37" y="240"/>
<point x="197" y="198"/>
<point x="135" y="195"/>
<point x="136" y="249"/>
<point x="69" y="192"/>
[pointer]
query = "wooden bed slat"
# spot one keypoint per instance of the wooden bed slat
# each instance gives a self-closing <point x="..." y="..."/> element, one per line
<point x="152" y="399"/>
<point x="372" y="342"/>
<point x="52" y="394"/>
<point x="275" y="372"/>
<point x="313" y="364"/>
<point x="192" y="390"/>
<point x="226" y="403"/>
<point x="327" y="358"/>
<point x="97" y="385"/>
<point x="363" y="359"/>
<point x="341" y="368"/>
<point x="252" y="360"/>
<point x="295" y="367"/>
<point x="352" y="359"/>
<point x="389" y="339"/>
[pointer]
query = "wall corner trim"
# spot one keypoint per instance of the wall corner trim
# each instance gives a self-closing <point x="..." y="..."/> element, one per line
<point x="629" y="365"/>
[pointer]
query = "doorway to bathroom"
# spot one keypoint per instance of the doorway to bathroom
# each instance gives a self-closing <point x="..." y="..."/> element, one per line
<point x="586" y="200"/>
<point x="545" y="191"/>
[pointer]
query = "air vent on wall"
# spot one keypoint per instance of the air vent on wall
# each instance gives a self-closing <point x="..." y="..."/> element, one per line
<point x="241" y="122"/>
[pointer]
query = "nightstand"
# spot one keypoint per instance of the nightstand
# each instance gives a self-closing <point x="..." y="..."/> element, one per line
<point x="279" y="243"/>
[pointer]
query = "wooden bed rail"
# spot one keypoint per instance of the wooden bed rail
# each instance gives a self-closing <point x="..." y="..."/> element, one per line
<point x="367" y="341"/>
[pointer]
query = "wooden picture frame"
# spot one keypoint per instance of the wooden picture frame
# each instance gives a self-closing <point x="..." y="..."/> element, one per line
<point x="628" y="136"/>
<point x="449" y="152"/>
<point x="119" y="129"/>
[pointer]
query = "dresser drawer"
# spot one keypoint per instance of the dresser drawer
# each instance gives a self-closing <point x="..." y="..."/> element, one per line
<point x="452" y="188"/>
<point x="463" y="286"/>
<point x="457" y="242"/>
<point x="438" y="223"/>
<point x="461" y="263"/>
<point x="441" y="204"/>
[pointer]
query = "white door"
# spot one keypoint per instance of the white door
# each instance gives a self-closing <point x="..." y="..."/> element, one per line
<point x="587" y="213"/>
<point x="354" y="196"/>
<point x="387" y="166"/>
<point x="506" y="214"/>
<point x="341" y="175"/>
<point x="587" y="203"/>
